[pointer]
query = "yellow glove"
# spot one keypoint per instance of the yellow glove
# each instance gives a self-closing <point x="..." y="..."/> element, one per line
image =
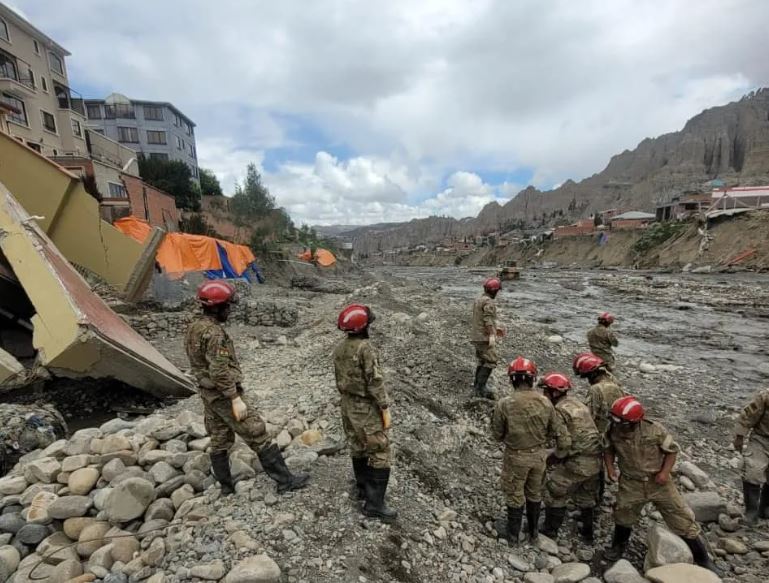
<point x="239" y="409"/>
<point x="387" y="420"/>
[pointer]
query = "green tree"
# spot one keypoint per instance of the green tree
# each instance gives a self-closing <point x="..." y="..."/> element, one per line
<point x="252" y="199"/>
<point x="209" y="183"/>
<point x="173" y="176"/>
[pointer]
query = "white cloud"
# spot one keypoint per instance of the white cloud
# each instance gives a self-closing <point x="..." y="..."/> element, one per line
<point x="415" y="91"/>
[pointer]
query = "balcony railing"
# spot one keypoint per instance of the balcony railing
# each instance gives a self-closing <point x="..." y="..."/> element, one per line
<point x="69" y="98"/>
<point x="16" y="69"/>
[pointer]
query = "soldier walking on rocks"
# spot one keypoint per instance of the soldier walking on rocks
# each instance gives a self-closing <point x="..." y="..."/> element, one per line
<point x="484" y="332"/>
<point x="365" y="410"/>
<point x="576" y="472"/>
<point x="602" y="340"/>
<point x="754" y="420"/>
<point x="525" y="422"/>
<point x="227" y="410"/>
<point x="646" y="453"/>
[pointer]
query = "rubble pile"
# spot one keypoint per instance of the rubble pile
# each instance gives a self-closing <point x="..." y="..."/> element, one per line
<point x="445" y="481"/>
<point x="249" y="312"/>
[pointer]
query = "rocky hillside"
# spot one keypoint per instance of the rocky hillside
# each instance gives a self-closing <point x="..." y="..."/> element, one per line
<point x="730" y="142"/>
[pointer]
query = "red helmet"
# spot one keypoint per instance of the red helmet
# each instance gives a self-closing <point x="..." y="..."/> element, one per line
<point x="354" y="318"/>
<point x="522" y="366"/>
<point x="492" y="284"/>
<point x="584" y="364"/>
<point x="578" y="359"/>
<point x="627" y="409"/>
<point x="606" y="317"/>
<point x="215" y="293"/>
<point x="556" y="381"/>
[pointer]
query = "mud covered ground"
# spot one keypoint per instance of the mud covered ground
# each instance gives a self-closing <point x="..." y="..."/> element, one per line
<point x="704" y="337"/>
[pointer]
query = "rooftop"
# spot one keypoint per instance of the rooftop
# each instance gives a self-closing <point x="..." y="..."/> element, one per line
<point x="9" y="14"/>
<point x="167" y="104"/>
<point x="634" y="216"/>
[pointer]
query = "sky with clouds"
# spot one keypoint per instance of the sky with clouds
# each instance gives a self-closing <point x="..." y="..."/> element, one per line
<point x="359" y="112"/>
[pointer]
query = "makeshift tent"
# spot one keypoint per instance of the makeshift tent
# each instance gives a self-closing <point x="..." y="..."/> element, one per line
<point x="181" y="253"/>
<point x="322" y="257"/>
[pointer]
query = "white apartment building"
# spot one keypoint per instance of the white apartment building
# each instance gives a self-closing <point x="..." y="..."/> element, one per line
<point x="43" y="112"/>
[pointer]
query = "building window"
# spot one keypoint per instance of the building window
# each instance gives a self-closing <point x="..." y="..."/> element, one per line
<point x="94" y="111"/>
<point x="156" y="137"/>
<point x="120" y="111"/>
<point x="192" y="150"/>
<point x="194" y="170"/>
<point x="57" y="65"/>
<point x="37" y="46"/>
<point x="4" y="30"/>
<point x="129" y="135"/>
<point x="31" y="74"/>
<point x="8" y="67"/>
<point x="188" y="127"/>
<point x="158" y="156"/>
<point x="76" y="128"/>
<point x="49" y="122"/>
<point x="117" y="190"/>
<point x="35" y="147"/>
<point x="20" y="118"/>
<point x="179" y="143"/>
<point x="44" y="84"/>
<point x="153" y="113"/>
<point x="177" y="120"/>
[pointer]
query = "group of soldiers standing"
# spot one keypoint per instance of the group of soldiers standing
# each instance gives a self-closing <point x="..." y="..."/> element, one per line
<point x="557" y="448"/>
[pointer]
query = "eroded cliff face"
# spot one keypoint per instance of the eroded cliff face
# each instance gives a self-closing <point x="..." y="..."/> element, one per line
<point x="729" y="142"/>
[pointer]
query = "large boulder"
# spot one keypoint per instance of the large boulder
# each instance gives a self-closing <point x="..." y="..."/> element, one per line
<point x="129" y="499"/>
<point x="82" y="481"/>
<point x="623" y="572"/>
<point x="570" y="572"/>
<point x="665" y="548"/>
<point x="257" y="569"/>
<point x="706" y="505"/>
<point x="681" y="573"/>
<point x="70" y="507"/>
<point x="694" y="473"/>
<point x="10" y="485"/>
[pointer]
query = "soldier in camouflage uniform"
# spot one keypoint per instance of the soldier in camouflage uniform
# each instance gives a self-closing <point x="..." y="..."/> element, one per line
<point x="365" y="410"/>
<point x="227" y="410"/>
<point x="576" y="471"/>
<point x="602" y="340"/>
<point x="754" y="420"/>
<point x="25" y="428"/>
<point x="646" y="453"/>
<point x="525" y="422"/>
<point x="603" y="389"/>
<point x="483" y="334"/>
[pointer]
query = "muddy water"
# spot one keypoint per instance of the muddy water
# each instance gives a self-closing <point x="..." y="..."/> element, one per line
<point x="709" y="339"/>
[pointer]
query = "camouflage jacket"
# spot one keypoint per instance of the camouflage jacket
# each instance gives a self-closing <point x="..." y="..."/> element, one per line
<point x="600" y="398"/>
<point x="585" y="438"/>
<point x="484" y="315"/>
<point x="602" y="341"/>
<point x="641" y="450"/>
<point x="755" y="416"/>
<point x="526" y="420"/>
<point x="357" y="370"/>
<point x="212" y="359"/>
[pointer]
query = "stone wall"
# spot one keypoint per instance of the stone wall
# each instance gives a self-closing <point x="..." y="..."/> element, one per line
<point x="249" y="312"/>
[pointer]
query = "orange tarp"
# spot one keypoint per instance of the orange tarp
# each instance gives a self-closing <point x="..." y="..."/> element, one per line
<point x="182" y="252"/>
<point x="324" y="258"/>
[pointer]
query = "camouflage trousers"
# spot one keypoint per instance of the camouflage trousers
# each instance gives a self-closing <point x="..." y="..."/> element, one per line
<point x="633" y="495"/>
<point x="222" y="426"/>
<point x="486" y="355"/>
<point x="523" y="472"/>
<point x="366" y="436"/>
<point x="577" y="478"/>
<point x="755" y="460"/>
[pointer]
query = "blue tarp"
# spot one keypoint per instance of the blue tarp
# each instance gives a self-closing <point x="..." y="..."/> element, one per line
<point x="228" y="272"/>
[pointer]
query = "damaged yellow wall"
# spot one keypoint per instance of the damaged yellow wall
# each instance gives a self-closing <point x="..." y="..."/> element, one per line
<point x="71" y="216"/>
<point x="9" y="367"/>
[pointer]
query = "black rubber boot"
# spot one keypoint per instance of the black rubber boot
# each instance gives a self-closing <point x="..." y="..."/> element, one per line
<point x="275" y="466"/>
<point x="700" y="554"/>
<point x="763" y="505"/>
<point x="359" y="467"/>
<point x="220" y="467"/>
<point x="510" y="529"/>
<point x="532" y="520"/>
<point x="753" y="498"/>
<point x="618" y="543"/>
<point x="586" y="531"/>
<point x="376" y="488"/>
<point x="553" y="521"/>
<point x="481" y="390"/>
<point x="475" y="379"/>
